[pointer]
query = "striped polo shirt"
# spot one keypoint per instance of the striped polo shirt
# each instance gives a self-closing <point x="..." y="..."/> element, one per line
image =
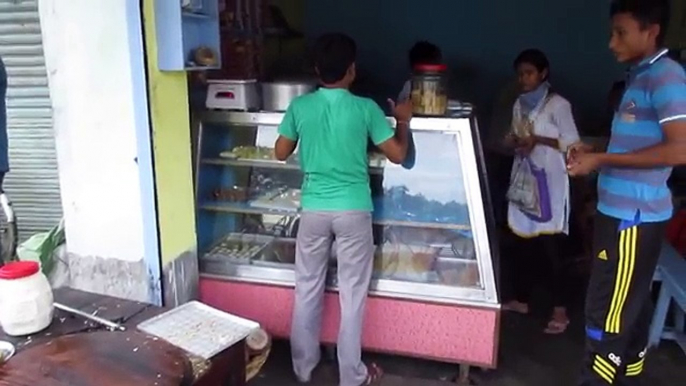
<point x="655" y="94"/>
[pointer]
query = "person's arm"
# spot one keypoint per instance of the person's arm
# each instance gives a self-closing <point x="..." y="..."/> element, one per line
<point x="668" y="95"/>
<point x="671" y="152"/>
<point x="288" y="136"/>
<point x="392" y="144"/>
<point x="564" y="121"/>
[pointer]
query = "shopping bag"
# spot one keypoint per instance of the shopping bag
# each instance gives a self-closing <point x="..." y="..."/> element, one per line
<point x="529" y="191"/>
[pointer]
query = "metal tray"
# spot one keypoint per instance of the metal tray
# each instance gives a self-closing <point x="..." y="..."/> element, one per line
<point x="199" y="329"/>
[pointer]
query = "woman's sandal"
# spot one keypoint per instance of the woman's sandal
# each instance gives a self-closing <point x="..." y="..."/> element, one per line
<point x="374" y="375"/>
<point x="556" y="327"/>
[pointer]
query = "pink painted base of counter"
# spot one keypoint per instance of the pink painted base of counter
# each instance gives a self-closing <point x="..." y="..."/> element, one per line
<point x="448" y="333"/>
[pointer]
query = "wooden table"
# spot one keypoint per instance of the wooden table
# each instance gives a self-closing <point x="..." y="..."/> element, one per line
<point x="225" y="369"/>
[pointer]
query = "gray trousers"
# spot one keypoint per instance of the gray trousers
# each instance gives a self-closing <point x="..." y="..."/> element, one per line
<point x="355" y="253"/>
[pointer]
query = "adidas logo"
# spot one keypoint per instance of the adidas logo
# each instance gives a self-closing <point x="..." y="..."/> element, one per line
<point x="602" y="255"/>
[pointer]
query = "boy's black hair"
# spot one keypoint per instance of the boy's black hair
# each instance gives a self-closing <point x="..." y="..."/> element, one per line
<point x="334" y="53"/>
<point x="533" y="57"/>
<point x="424" y="52"/>
<point x="646" y="12"/>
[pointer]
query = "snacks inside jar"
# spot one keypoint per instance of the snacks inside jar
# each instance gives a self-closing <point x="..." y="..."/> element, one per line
<point x="429" y="95"/>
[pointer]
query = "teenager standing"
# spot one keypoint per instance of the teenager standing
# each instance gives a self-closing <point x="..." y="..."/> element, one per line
<point x="648" y="138"/>
<point x="333" y="127"/>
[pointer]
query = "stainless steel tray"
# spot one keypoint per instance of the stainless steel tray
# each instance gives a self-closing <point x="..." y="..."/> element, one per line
<point x="199" y="329"/>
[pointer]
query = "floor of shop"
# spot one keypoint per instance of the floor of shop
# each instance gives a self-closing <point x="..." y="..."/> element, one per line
<point x="527" y="358"/>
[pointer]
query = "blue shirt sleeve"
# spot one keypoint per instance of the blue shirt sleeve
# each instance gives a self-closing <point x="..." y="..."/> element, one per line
<point x="668" y="93"/>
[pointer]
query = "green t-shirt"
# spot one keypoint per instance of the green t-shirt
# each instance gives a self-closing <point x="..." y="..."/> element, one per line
<point x="333" y="127"/>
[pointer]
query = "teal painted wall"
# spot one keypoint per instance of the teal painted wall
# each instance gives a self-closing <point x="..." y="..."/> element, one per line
<point x="480" y="38"/>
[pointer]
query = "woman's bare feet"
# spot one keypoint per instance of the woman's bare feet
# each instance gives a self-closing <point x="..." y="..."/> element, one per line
<point x="559" y="321"/>
<point x="374" y="375"/>
<point x="516" y="306"/>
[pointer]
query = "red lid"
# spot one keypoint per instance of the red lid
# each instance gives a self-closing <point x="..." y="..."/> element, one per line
<point x="431" y="67"/>
<point x="19" y="270"/>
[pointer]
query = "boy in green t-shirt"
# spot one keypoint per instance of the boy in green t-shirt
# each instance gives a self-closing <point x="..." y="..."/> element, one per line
<point x="333" y="127"/>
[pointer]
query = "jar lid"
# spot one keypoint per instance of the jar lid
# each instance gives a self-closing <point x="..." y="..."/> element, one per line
<point x="431" y="67"/>
<point x="19" y="270"/>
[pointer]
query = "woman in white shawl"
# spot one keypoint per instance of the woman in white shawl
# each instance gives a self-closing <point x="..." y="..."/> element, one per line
<point x="543" y="129"/>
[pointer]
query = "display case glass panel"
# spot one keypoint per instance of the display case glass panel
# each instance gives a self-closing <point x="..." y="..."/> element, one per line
<point x="429" y="219"/>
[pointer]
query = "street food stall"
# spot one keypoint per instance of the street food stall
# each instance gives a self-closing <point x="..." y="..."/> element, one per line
<point x="433" y="293"/>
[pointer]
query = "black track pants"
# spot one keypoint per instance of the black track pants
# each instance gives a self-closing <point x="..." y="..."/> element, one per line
<point x="618" y="306"/>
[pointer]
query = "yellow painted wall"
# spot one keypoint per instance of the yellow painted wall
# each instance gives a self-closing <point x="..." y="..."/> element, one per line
<point x="168" y="94"/>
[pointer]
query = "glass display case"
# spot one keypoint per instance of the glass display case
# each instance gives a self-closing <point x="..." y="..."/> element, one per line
<point x="431" y="226"/>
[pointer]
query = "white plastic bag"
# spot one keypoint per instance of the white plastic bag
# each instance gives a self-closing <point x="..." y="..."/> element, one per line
<point x="523" y="190"/>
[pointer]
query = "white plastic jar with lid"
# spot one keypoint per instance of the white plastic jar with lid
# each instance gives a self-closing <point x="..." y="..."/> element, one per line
<point x="26" y="302"/>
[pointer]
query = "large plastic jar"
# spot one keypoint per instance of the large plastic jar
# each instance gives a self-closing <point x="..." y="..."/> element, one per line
<point x="26" y="302"/>
<point x="429" y="90"/>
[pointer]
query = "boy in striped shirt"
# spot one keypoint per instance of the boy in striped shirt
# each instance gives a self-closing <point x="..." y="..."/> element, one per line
<point x="634" y="203"/>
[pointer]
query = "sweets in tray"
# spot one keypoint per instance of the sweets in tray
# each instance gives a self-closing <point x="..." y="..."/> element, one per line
<point x="405" y="262"/>
<point x="250" y="152"/>
<point x="266" y="154"/>
<point x="239" y="247"/>
<point x="235" y="194"/>
<point x="287" y="199"/>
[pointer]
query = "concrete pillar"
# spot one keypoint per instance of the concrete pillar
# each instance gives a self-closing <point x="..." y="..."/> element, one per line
<point x="96" y="70"/>
<point x="124" y="151"/>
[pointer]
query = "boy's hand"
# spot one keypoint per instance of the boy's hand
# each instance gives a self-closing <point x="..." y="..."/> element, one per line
<point x="584" y="164"/>
<point x="402" y="111"/>
<point x="510" y="139"/>
<point x="577" y="149"/>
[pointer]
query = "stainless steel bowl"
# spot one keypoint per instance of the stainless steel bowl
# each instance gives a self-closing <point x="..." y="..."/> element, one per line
<point x="276" y="96"/>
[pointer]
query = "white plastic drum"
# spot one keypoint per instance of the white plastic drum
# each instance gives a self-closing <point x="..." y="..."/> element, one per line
<point x="26" y="302"/>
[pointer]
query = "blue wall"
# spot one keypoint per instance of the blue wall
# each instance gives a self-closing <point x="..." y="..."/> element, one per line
<point x="479" y="38"/>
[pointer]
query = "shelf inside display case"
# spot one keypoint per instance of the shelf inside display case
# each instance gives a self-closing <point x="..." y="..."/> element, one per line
<point x="374" y="168"/>
<point x="408" y="262"/>
<point x="428" y="220"/>
<point x="378" y="219"/>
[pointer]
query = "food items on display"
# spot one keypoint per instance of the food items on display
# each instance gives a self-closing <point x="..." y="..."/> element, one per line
<point x="236" y="194"/>
<point x="459" y="275"/>
<point x="280" y="199"/>
<point x="250" y="152"/>
<point x="405" y="262"/>
<point x="239" y="247"/>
